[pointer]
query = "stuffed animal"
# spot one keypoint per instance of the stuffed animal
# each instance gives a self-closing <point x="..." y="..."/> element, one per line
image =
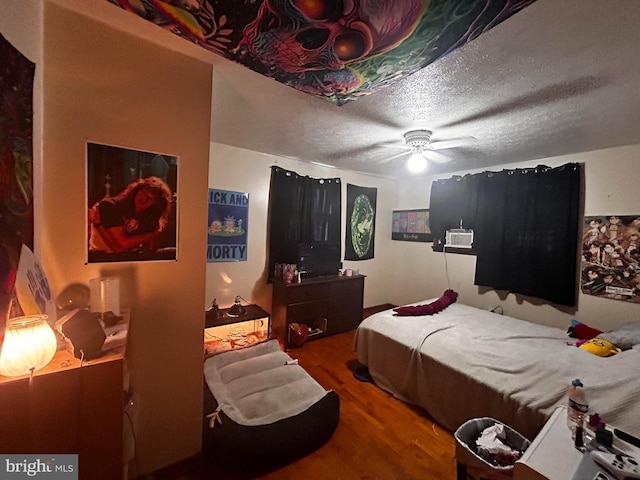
<point x="600" y="347"/>
<point x="581" y="331"/>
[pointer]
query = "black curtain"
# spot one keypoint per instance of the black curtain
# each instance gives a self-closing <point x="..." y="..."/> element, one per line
<point x="453" y="204"/>
<point x="301" y="210"/>
<point x="526" y="224"/>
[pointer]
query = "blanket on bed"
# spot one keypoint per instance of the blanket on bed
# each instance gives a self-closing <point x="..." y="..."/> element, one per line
<point x="465" y="362"/>
<point x="259" y="385"/>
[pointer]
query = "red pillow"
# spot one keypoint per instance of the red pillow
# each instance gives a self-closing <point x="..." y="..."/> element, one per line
<point x="581" y="331"/>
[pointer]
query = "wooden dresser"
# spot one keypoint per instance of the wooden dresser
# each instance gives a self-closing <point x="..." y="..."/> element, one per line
<point x="328" y="304"/>
<point x="67" y="409"/>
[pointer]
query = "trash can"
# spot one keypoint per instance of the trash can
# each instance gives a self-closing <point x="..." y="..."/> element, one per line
<point x="469" y="461"/>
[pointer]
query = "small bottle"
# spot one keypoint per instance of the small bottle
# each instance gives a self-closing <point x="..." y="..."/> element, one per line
<point x="577" y="409"/>
<point x="592" y="422"/>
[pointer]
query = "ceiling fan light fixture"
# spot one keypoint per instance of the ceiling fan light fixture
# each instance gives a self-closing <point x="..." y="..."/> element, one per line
<point x="417" y="163"/>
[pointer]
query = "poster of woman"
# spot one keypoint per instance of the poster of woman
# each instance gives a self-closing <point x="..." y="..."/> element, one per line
<point x="131" y="202"/>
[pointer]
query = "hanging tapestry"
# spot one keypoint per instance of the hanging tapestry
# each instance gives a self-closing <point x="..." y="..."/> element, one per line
<point x="361" y="222"/>
<point x="227" y="226"/>
<point x="16" y="168"/>
<point x="338" y="51"/>
<point x="611" y="257"/>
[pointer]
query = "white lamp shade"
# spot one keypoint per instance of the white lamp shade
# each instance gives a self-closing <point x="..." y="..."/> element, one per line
<point x="29" y="344"/>
<point x="417" y="163"/>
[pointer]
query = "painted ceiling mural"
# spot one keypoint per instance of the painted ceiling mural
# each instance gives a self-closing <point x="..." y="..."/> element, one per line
<point x="338" y="50"/>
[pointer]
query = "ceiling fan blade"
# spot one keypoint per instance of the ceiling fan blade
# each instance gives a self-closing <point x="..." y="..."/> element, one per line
<point x="436" y="157"/>
<point x="393" y="157"/>
<point x="453" y="143"/>
<point x="395" y="145"/>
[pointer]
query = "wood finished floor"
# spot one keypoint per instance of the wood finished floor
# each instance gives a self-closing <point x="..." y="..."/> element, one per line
<point x="378" y="437"/>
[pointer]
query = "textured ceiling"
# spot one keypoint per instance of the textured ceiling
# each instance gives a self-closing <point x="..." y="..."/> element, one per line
<point x="559" y="77"/>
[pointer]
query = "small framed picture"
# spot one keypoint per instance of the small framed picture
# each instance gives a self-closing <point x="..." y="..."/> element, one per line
<point x="411" y="225"/>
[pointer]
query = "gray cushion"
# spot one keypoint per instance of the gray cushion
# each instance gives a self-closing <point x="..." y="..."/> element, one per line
<point x="625" y="337"/>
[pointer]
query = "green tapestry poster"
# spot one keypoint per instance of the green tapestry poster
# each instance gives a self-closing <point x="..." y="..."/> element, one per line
<point x="361" y="222"/>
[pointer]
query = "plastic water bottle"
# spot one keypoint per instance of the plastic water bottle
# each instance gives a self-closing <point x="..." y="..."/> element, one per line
<point x="577" y="409"/>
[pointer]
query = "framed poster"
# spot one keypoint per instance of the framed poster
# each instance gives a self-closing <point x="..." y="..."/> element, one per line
<point x="411" y="225"/>
<point x="227" y="226"/>
<point x="131" y="203"/>
<point x="610" y="263"/>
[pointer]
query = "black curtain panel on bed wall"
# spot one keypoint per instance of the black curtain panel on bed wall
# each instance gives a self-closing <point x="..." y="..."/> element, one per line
<point x="526" y="224"/>
<point x="302" y="209"/>
<point x="453" y="205"/>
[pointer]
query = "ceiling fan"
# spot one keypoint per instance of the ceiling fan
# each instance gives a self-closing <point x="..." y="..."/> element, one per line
<point x="420" y="148"/>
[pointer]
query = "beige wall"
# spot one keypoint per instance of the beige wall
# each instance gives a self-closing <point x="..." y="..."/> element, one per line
<point x="105" y="86"/>
<point x="249" y="172"/>
<point x="610" y="188"/>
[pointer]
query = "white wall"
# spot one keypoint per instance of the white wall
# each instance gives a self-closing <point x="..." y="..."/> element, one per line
<point x="95" y="83"/>
<point x="407" y="272"/>
<point x="610" y="188"/>
<point x="249" y="172"/>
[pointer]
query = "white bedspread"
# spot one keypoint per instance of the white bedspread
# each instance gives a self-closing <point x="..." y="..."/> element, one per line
<point x="465" y="362"/>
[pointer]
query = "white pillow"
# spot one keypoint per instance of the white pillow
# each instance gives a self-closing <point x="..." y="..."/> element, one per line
<point x="625" y="337"/>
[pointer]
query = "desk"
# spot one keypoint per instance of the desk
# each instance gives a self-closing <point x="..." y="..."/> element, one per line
<point x="551" y="455"/>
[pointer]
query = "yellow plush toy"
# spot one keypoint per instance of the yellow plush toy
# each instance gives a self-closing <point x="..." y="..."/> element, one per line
<point x="600" y="347"/>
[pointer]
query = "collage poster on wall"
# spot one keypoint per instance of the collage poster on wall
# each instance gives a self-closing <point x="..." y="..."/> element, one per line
<point x="611" y="257"/>
<point x="411" y="226"/>
<point x="361" y="222"/>
<point x="131" y="201"/>
<point x="227" y="226"/>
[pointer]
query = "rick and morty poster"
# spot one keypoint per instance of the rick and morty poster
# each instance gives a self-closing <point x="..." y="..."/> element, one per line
<point x="227" y="226"/>
<point x="361" y="222"/>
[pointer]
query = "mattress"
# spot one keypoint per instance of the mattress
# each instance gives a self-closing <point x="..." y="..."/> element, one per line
<point x="465" y="363"/>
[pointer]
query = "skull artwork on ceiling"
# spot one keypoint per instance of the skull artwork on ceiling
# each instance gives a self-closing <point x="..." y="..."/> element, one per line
<point x="298" y="35"/>
<point x="338" y="50"/>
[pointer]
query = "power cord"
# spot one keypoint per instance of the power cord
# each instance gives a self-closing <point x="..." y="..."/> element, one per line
<point x="446" y="266"/>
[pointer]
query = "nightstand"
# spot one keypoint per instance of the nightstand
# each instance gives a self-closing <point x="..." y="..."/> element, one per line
<point x="551" y="455"/>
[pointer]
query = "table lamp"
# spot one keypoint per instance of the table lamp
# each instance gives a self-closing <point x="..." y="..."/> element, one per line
<point x="29" y="344"/>
<point x="236" y="310"/>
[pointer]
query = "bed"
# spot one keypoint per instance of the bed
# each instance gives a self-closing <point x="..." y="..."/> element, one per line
<point x="464" y="362"/>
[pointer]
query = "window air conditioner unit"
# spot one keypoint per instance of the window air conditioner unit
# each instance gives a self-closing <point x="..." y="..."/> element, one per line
<point x="459" y="238"/>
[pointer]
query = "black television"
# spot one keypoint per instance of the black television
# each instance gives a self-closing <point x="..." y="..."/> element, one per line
<point x="318" y="259"/>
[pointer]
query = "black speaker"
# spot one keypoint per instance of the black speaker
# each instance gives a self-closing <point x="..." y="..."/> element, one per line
<point x="83" y="333"/>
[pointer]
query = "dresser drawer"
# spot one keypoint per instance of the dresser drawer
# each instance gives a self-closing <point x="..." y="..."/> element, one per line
<point x="303" y="293"/>
<point x="346" y="286"/>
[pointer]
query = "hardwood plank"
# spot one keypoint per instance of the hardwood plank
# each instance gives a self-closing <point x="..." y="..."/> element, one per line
<point x="378" y="436"/>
